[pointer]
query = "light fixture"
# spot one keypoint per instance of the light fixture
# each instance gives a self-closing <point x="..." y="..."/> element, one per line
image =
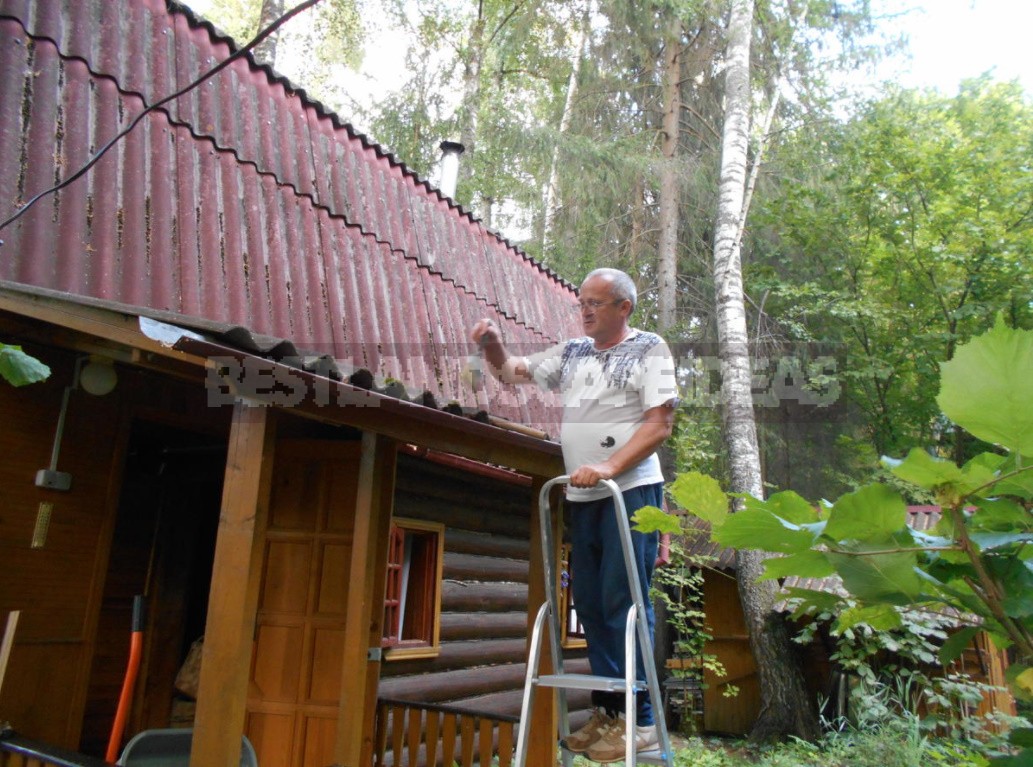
<point x="98" y="376"/>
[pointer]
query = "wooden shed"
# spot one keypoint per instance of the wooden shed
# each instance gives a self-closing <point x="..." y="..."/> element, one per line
<point x="290" y="462"/>
<point x="729" y="643"/>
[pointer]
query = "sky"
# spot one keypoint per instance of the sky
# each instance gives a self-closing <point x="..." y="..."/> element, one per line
<point x="949" y="40"/>
<point x="952" y="40"/>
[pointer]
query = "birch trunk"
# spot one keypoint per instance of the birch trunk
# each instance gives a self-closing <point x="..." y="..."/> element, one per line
<point x="471" y="94"/>
<point x="787" y="708"/>
<point x="667" y="257"/>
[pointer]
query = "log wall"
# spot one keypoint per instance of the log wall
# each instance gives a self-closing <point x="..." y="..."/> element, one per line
<point x="481" y="665"/>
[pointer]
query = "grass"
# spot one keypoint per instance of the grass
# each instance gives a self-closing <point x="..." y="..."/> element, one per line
<point x="876" y="748"/>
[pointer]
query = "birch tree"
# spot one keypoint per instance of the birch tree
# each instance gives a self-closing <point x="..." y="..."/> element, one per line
<point x="786" y="705"/>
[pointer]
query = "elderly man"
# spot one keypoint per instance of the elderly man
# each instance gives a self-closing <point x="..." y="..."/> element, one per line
<point x="619" y="392"/>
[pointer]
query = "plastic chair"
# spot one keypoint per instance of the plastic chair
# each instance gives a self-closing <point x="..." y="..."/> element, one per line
<point x="171" y="748"/>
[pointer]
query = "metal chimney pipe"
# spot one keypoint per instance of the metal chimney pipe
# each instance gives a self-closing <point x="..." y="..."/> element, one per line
<point x="450" y="151"/>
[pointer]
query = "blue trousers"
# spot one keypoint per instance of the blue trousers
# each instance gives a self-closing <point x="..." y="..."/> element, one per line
<point x="602" y="596"/>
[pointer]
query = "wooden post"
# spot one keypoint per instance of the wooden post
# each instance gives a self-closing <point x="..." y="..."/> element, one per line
<point x="365" y="609"/>
<point x="541" y="746"/>
<point x="236" y="574"/>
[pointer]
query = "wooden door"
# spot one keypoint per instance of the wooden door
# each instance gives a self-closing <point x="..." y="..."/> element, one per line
<point x="296" y="668"/>
<point x="730" y="715"/>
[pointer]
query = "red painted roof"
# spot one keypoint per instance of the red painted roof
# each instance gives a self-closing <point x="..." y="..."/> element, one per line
<point x="245" y="202"/>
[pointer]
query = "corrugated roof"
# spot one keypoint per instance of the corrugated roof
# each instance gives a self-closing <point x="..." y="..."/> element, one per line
<point x="245" y="203"/>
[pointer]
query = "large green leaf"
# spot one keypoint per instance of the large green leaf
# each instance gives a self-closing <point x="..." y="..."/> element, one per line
<point x="879" y="577"/>
<point x="956" y="644"/>
<point x="759" y="529"/>
<point x="804" y="564"/>
<point x="987" y="541"/>
<point x="873" y="512"/>
<point x="19" y="369"/>
<point x="1015" y="472"/>
<point x="920" y="468"/>
<point x="1000" y="514"/>
<point x="987" y="388"/>
<point x="700" y="495"/>
<point x="650" y="519"/>
<point x="792" y="507"/>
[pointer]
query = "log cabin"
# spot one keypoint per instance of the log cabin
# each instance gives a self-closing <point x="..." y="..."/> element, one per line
<point x="257" y="423"/>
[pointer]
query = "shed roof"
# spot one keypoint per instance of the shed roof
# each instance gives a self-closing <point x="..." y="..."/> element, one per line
<point x="244" y="202"/>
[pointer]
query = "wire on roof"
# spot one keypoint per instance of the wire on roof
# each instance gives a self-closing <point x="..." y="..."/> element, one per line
<point x="262" y="35"/>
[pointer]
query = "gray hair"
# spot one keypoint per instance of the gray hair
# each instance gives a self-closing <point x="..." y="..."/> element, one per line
<point x="621" y="285"/>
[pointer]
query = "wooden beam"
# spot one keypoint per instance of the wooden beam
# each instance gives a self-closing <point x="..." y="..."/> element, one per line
<point x="236" y="575"/>
<point x="6" y="645"/>
<point x="365" y="609"/>
<point x="542" y="738"/>
<point x="232" y="372"/>
<point x="119" y="328"/>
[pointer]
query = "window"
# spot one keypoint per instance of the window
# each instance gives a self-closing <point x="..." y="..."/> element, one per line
<point x="570" y="629"/>
<point x="412" y="599"/>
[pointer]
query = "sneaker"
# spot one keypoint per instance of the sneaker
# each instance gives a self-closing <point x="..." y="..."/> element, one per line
<point x="612" y="746"/>
<point x="580" y="740"/>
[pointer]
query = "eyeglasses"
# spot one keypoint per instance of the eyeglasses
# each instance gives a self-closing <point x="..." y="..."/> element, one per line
<point x="595" y="303"/>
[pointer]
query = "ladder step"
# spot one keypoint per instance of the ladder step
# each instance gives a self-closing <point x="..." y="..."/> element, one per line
<point x="586" y="682"/>
<point x="656" y="756"/>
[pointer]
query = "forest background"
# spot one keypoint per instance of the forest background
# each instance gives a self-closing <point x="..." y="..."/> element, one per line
<point x="883" y="225"/>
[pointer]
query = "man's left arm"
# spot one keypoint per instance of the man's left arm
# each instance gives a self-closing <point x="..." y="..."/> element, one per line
<point x="657" y="425"/>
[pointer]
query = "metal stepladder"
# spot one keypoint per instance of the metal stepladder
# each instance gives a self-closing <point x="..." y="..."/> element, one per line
<point x="636" y="636"/>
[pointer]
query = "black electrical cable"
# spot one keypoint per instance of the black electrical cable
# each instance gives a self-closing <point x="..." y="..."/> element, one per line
<point x="186" y="89"/>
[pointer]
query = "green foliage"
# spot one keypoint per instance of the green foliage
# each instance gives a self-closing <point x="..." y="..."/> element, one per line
<point x="892" y="745"/>
<point x="977" y="563"/>
<point x="19" y="368"/>
<point x="897" y="235"/>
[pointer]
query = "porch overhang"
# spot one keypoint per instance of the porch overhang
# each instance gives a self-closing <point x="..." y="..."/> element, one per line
<point x="94" y="326"/>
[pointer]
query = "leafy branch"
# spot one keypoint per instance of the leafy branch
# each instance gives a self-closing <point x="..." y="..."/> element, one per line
<point x="975" y="562"/>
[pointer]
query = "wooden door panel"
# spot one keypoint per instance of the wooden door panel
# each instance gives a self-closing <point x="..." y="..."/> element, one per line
<point x="333" y="580"/>
<point x="299" y="642"/>
<point x="285" y="578"/>
<point x="276" y="669"/>
<point x="327" y="653"/>
<point x="320" y="733"/>
<point x="272" y="735"/>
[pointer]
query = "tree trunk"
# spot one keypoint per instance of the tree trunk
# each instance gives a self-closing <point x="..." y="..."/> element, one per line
<point x="265" y="52"/>
<point x="787" y="708"/>
<point x="667" y="257"/>
<point x="470" y="108"/>
<point x="552" y="199"/>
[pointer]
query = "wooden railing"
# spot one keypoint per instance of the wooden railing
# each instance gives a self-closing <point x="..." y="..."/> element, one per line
<point x="426" y="735"/>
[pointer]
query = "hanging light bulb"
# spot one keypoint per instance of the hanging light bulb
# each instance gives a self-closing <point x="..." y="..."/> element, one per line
<point x="98" y="376"/>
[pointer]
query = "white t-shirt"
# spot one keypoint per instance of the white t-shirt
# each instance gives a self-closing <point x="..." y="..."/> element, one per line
<point x="605" y="395"/>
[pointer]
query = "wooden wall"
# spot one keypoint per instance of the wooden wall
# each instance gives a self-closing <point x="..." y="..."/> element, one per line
<point x="54" y="586"/>
<point x="484" y="600"/>
<point x="72" y="641"/>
